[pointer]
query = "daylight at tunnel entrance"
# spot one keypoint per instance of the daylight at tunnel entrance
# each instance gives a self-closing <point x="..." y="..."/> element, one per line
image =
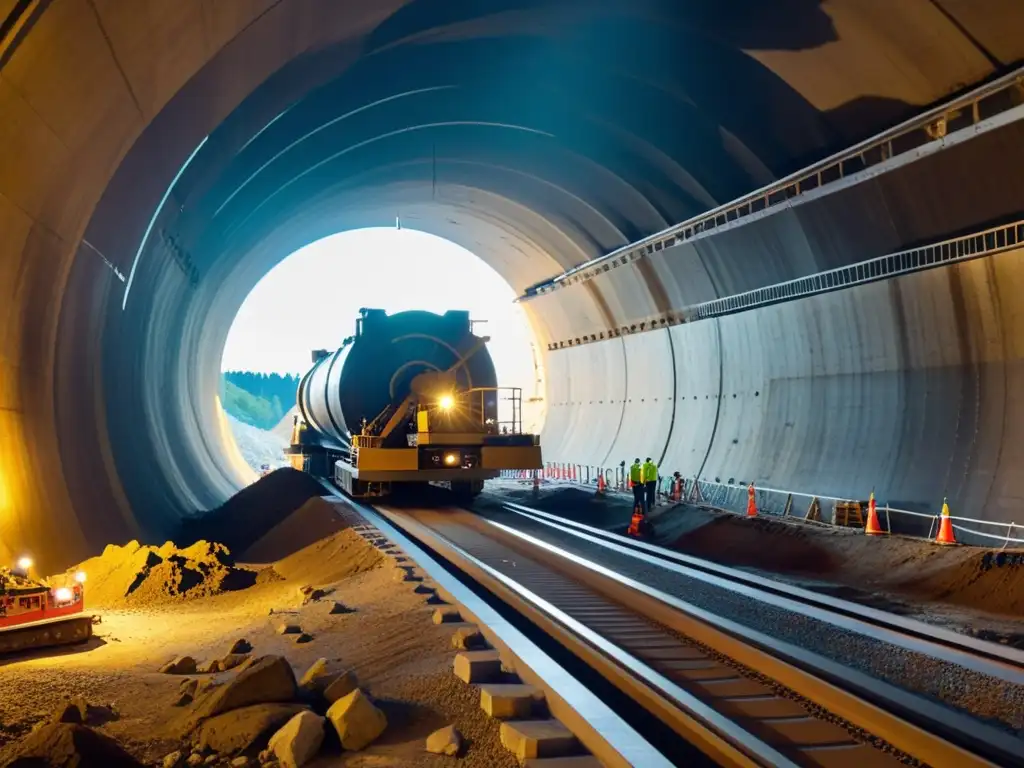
<point x="395" y="269"/>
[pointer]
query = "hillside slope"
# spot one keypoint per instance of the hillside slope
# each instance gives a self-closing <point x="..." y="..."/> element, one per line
<point x="258" y="446"/>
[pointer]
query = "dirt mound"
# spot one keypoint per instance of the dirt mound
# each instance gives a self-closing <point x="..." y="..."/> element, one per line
<point x="136" y="575"/>
<point x="985" y="579"/>
<point x="916" y="569"/>
<point x="248" y="515"/>
<point x="760" y="543"/>
<point x="314" y="520"/>
<point x="331" y="559"/>
<point x="65" y="744"/>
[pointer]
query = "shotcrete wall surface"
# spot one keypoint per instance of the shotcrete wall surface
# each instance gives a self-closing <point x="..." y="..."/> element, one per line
<point x="912" y="387"/>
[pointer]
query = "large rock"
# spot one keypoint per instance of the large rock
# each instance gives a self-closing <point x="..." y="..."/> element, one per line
<point x="340" y="686"/>
<point x="183" y="665"/>
<point x="233" y="660"/>
<point x="316" y="677"/>
<point x="79" y="711"/>
<point x="357" y="721"/>
<point x="240" y="729"/>
<point x="69" y="745"/>
<point x="270" y="679"/>
<point x="299" y="740"/>
<point x="70" y="712"/>
<point x="446" y="741"/>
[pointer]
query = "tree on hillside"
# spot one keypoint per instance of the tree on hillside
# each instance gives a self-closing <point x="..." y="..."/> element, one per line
<point x="258" y="399"/>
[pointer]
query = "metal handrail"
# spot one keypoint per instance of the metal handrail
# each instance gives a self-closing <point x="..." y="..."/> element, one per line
<point x="988" y="242"/>
<point x="514" y="396"/>
<point x="935" y="125"/>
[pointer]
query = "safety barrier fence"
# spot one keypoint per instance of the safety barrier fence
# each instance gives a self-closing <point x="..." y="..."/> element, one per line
<point x="993" y="104"/>
<point x="820" y="509"/>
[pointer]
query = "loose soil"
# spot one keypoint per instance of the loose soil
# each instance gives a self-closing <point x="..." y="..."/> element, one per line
<point x="402" y="659"/>
<point x="977" y="590"/>
<point x="137" y="576"/>
<point x="250" y="514"/>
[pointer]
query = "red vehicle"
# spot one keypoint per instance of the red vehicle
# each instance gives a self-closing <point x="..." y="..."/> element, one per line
<point x="24" y="600"/>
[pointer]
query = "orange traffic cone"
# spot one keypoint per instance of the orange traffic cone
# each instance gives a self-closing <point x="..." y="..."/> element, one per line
<point x="751" y="502"/>
<point x="945" y="534"/>
<point x="600" y="483"/>
<point x="635" y="522"/>
<point x="872" y="528"/>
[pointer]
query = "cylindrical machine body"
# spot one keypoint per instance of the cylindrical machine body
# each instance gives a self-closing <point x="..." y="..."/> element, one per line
<point x="375" y="368"/>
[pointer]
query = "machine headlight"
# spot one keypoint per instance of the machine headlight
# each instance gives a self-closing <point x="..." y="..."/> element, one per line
<point x="63" y="595"/>
<point x="451" y="459"/>
<point x="25" y="563"/>
<point x="446" y="404"/>
<point x="80" y="577"/>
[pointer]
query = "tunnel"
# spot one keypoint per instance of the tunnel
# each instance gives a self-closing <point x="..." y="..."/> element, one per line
<point x="159" y="158"/>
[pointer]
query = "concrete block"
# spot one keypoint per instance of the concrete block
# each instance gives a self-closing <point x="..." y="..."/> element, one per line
<point x="447" y="615"/>
<point x="406" y="573"/>
<point x="468" y="638"/>
<point x="477" y="666"/>
<point x="538" y="738"/>
<point x="509" y="701"/>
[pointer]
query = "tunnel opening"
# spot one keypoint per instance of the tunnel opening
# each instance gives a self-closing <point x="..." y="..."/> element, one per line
<point x="536" y="150"/>
<point x="310" y="301"/>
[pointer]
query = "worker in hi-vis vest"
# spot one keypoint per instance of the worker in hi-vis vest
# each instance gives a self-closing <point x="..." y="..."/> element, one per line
<point x="636" y="482"/>
<point x="649" y="471"/>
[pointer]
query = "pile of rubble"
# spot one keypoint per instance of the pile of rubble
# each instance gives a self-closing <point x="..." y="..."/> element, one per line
<point x="140" y="576"/>
<point x="262" y="716"/>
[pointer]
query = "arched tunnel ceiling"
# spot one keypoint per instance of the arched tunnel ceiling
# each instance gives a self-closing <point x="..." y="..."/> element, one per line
<point x="184" y="148"/>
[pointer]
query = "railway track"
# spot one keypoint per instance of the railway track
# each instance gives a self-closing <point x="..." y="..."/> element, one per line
<point x="740" y="699"/>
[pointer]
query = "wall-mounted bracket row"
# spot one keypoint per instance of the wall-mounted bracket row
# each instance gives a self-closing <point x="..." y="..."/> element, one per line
<point x="977" y="245"/>
<point x="991" y="106"/>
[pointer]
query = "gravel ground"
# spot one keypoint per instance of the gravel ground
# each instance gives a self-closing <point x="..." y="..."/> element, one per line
<point x="986" y="698"/>
<point x="402" y="660"/>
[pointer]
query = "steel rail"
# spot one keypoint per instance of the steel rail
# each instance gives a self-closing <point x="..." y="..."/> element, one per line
<point x="626" y="628"/>
<point x="897" y="712"/>
<point x="729" y="743"/>
<point x="596" y="725"/>
<point x="973" y="653"/>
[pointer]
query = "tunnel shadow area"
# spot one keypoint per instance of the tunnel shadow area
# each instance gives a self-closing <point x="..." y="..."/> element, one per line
<point x="55" y="652"/>
<point x="251" y="513"/>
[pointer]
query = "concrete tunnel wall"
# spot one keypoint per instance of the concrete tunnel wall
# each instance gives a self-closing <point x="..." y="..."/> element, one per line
<point x="913" y="387"/>
<point x="106" y="419"/>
